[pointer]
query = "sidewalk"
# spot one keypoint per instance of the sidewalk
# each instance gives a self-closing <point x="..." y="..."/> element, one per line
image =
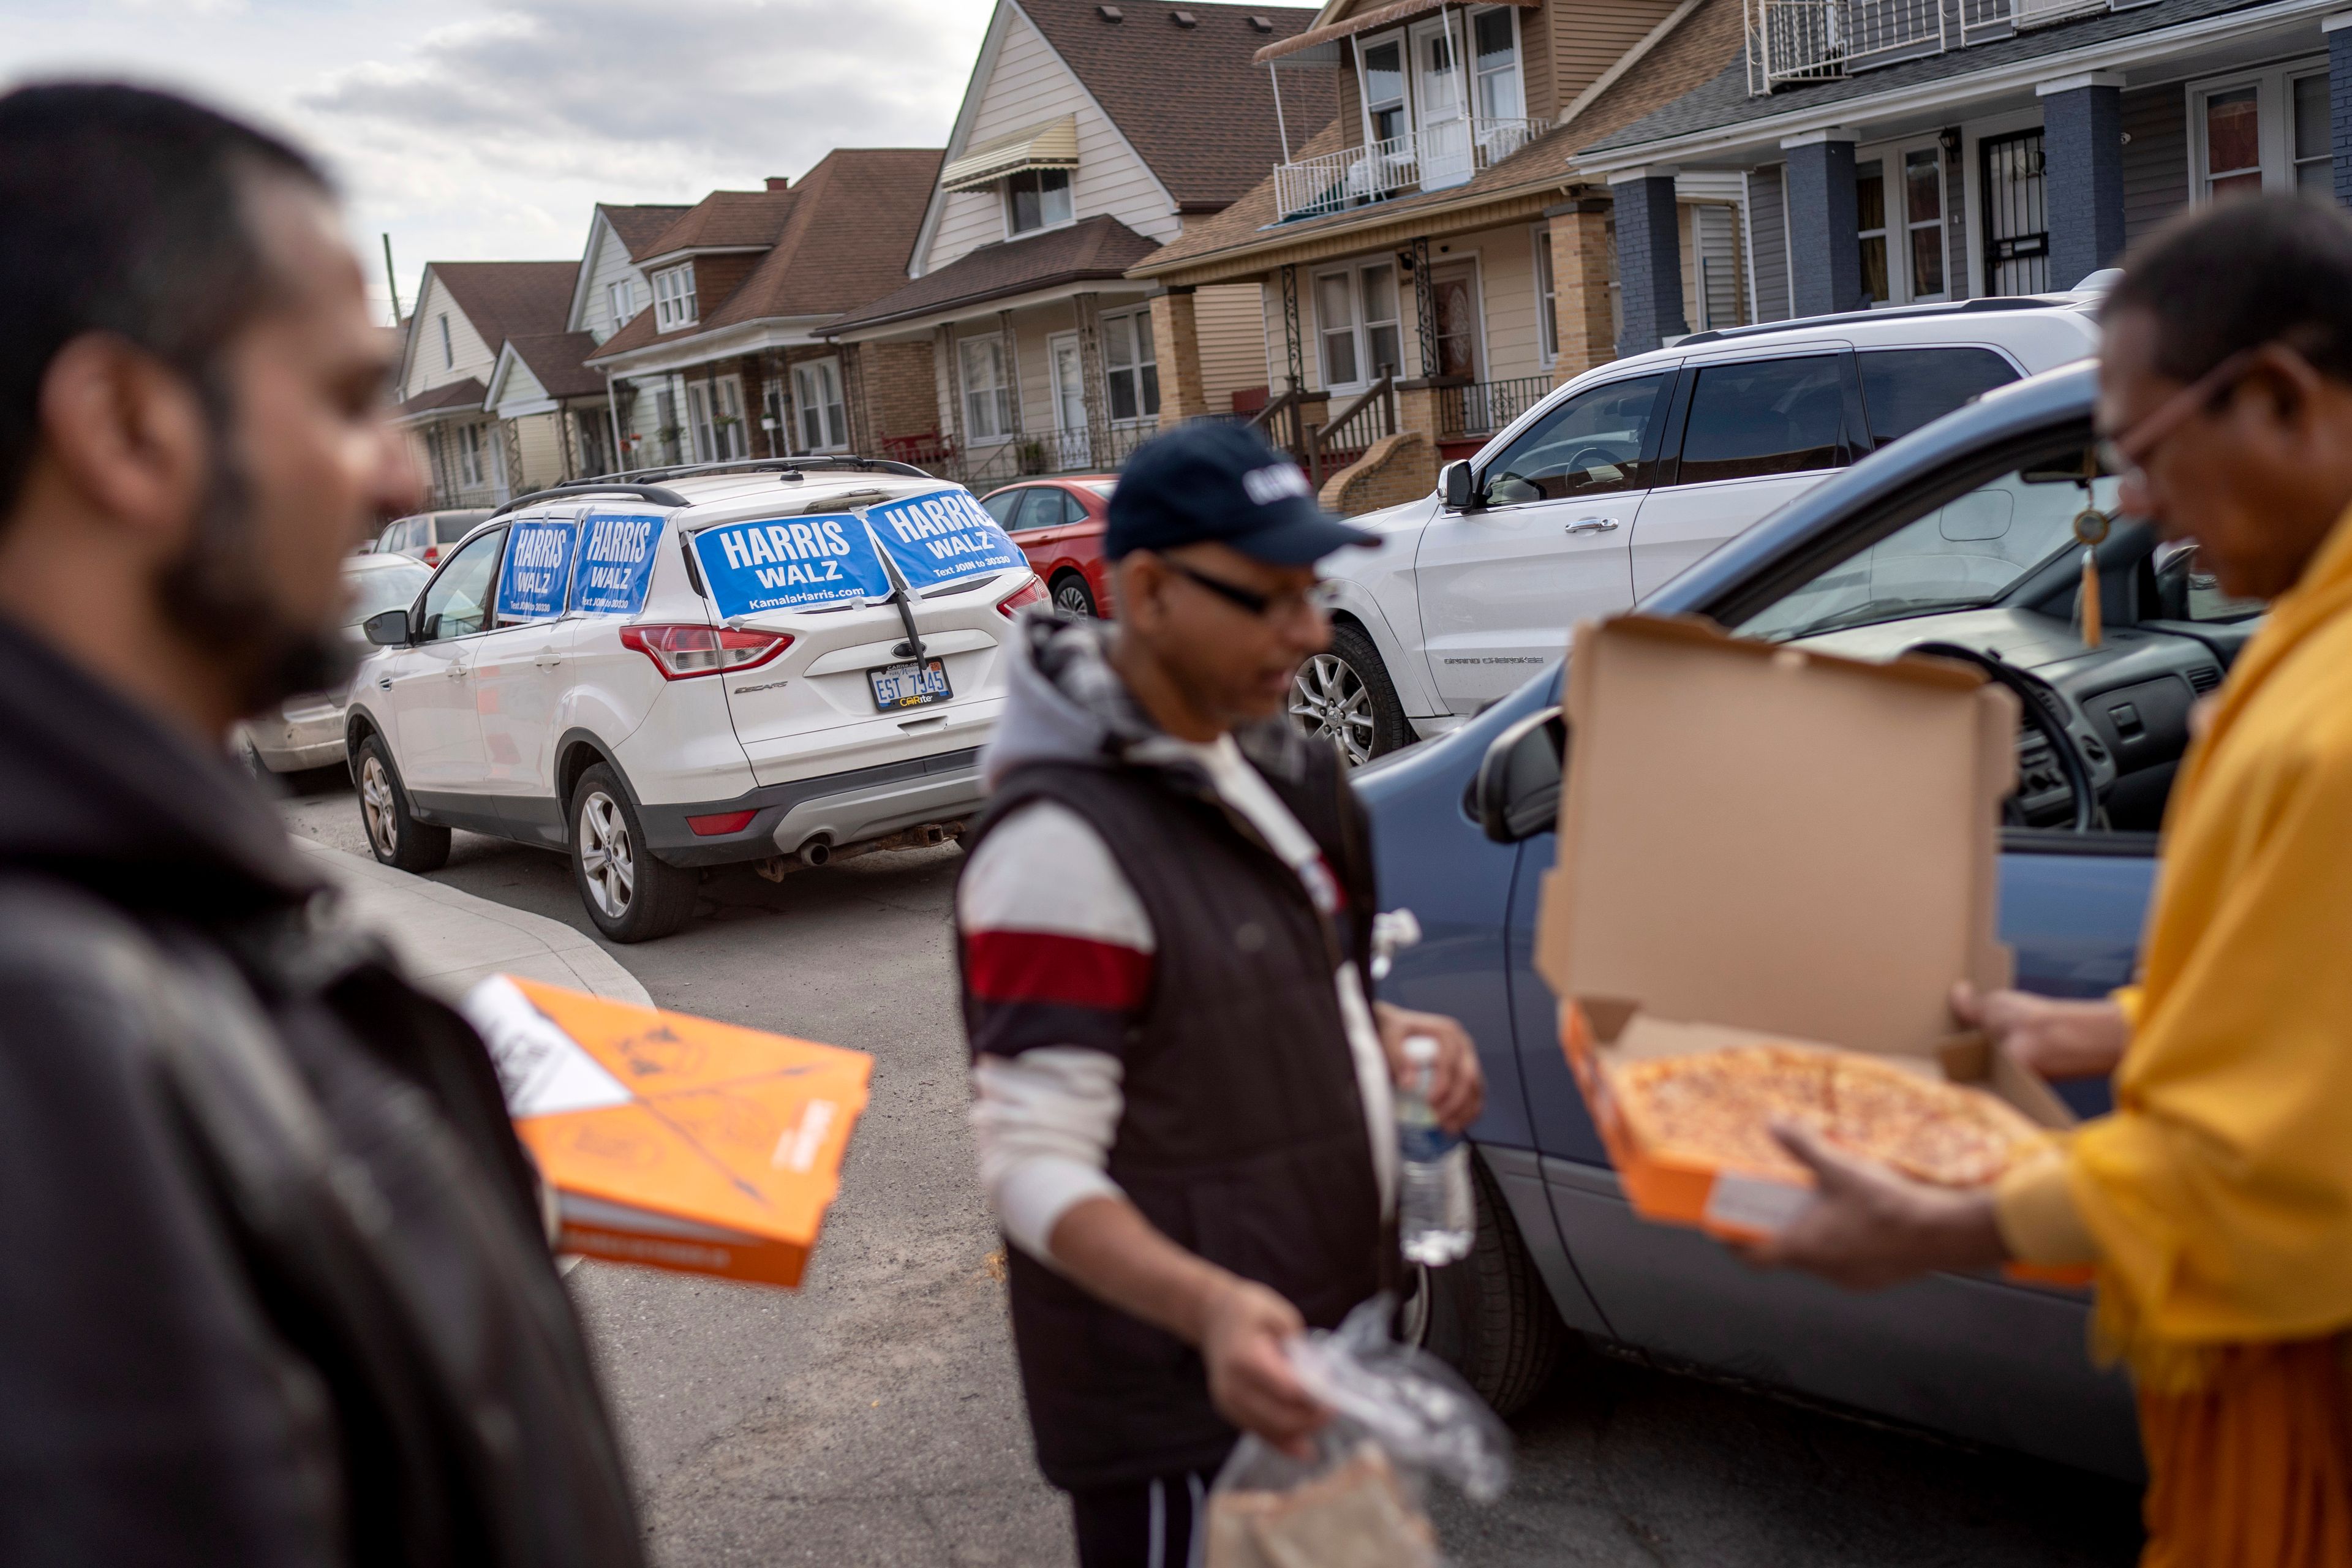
<point x="450" y="939"/>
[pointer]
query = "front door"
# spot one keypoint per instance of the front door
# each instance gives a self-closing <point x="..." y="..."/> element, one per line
<point x="1501" y="584"/>
<point x="1445" y="123"/>
<point x="1070" y="399"/>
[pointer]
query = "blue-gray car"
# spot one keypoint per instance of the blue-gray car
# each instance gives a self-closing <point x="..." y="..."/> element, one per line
<point x="1959" y="538"/>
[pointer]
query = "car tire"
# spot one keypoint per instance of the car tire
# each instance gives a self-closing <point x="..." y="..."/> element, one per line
<point x="1073" y="598"/>
<point x="1343" y="695"/>
<point x="631" y="894"/>
<point x="393" y="831"/>
<point x="1489" y="1316"/>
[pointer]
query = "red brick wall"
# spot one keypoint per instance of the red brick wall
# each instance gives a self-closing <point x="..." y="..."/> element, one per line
<point x="901" y="391"/>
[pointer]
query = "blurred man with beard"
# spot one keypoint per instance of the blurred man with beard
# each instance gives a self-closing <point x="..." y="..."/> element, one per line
<point x="273" y="1286"/>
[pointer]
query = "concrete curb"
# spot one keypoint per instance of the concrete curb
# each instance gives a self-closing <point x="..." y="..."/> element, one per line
<point x="449" y="939"/>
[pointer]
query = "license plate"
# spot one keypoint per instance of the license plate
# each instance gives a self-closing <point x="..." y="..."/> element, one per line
<point x="909" y="685"/>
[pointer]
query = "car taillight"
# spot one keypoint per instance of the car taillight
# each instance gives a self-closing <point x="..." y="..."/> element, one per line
<point x="1032" y="592"/>
<point x="433" y="555"/>
<point x="683" y="652"/>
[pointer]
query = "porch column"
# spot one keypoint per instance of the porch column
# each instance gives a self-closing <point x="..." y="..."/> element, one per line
<point x="1650" y="256"/>
<point x="1012" y="341"/>
<point x="1825" y="242"/>
<point x="1582" y="264"/>
<point x="946" y="339"/>
<point x="854" y="408"/>
<point x="1176" y="345"/>
<point x="2082" y="178"/>
<point x="1091" y="370"/>
<point x="2338" y="30"/>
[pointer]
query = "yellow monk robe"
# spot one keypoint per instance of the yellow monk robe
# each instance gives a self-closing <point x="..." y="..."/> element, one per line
<point x="2217" y="1199"/>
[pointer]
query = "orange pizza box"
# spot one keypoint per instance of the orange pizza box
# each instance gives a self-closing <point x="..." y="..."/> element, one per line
<point x="1761" y="844"/>
<point x="670" y="1140"/>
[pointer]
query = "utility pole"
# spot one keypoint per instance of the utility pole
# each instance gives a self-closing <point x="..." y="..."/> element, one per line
<point x="390" y="279"/>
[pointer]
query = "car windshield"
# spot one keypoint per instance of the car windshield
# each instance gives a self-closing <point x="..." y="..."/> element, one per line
<point x="382" y="588"/>
<point x="1967" y="552"/>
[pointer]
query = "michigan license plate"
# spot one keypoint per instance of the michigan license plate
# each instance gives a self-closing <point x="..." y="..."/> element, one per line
<point x="909" y="685"/>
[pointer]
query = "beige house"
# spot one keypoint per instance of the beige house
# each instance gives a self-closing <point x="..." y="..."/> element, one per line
<point x="467" y="315"/>
<point x="1430" y="263"/>
<point x="1090" y="136"/>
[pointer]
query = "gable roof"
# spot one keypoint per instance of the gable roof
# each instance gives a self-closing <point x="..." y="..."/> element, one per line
<point x="1188" y="99"/>
<point x="556" y="360"/>
<point x="1095" y="248"/>
<point x="638" y="226"/>
<point x="837" y="238"/>
<point x="725" y="220"/>
<point x="467" y="393"/>
<point x="510" y="299"/>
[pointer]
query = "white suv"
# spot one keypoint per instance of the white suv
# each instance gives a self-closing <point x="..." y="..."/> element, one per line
<point x="783" y="662"/>
<point x="1619" y="480"/>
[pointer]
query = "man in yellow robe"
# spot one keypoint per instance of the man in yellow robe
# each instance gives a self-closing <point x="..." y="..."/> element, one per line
<point x="2216" y="1201"/>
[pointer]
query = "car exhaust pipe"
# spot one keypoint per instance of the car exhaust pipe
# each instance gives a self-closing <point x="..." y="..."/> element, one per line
<point x="816" y="852"/>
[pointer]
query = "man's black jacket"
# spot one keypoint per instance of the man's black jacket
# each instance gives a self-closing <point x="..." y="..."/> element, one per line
<point x="273" y="1288"/>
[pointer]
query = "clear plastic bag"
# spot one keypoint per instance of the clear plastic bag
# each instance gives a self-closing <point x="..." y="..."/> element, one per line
<point x="1399" y="1415"/>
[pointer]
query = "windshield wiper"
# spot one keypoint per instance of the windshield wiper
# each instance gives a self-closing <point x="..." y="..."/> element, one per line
<point x="1877" y="610"/>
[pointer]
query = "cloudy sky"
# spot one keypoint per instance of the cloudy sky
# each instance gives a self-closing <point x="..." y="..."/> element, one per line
<point x="476" y="130"/>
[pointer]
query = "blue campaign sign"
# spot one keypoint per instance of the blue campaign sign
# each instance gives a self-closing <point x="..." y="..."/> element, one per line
<point x="787" y="565"/>
<point x="943" y="536"/>
<point x="537" y="571"/>
<point x="616" y="565"/>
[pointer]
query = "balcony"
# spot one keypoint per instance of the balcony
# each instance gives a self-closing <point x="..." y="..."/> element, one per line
<point x="1791" y="42"/>
<point x="1436" y="158"/>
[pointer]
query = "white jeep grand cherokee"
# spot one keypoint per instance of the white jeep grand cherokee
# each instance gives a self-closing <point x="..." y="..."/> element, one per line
<point x="778" y="662"/>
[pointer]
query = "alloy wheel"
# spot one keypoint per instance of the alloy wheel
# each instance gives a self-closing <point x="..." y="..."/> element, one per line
<point x="376" y="805"/>
<point x="1071" y="599"/>
<point x="607" y="863"/>
<point x="1330" y="701"/>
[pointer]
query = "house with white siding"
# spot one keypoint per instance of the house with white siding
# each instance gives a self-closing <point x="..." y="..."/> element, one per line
<point x="1090" y="136"/>
<point x="467" y="314"/>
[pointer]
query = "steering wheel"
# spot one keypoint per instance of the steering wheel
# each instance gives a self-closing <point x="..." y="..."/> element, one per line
<point x="1587" y="458"/>
<point x="2029" y="692"/>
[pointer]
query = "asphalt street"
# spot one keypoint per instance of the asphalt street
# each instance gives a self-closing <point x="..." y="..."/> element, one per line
<point x="873" y="1418"/>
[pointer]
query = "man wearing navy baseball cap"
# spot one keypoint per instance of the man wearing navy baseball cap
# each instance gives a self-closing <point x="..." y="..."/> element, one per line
<point x="1181" y="1084"/>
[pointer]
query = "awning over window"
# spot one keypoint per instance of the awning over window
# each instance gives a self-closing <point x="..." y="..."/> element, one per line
<point x="1363" y="22"/>
<point x="1052" y="145"/>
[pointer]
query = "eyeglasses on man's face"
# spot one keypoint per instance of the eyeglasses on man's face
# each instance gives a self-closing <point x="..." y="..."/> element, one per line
<point x="1264" y="606"/>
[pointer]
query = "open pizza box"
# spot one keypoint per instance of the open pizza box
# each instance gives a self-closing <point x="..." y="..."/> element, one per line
<point x="1763" y="845"/>
<point x="668" y="1141"/>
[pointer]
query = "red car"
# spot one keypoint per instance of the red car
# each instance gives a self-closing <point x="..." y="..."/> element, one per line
<point x="1058" y="523"/>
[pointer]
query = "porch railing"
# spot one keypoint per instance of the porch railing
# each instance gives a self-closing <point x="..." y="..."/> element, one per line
<point x="1352" y="428"/>
<point x="1795" y="41"/>
<point x="1481" y="407"/>
<point x="1433" y="159"/>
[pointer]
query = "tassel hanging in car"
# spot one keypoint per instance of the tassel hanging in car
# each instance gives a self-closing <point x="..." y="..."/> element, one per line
<point x="2091" y="527"/>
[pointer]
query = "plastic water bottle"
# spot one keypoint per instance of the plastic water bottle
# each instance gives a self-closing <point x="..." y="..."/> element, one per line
<point x="1433" y="1215"/>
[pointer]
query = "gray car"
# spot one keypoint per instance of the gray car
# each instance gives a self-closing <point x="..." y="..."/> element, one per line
<point x="307" y="732"/>
<point x="423" y="536"/>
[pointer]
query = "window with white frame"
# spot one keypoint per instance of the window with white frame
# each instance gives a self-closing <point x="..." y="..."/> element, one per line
<point x="818" y="404"/>
<point x="1495" y="60"/>
<point x="674" y="298"/>
<point x="448" y="354"/>
<point x="1130" y="367"/>
<point x="1035" y="199"/>
<point x="1546" y="302"/>
<point x="987" y="396"/>
<point x="2259" y="130"/>
<point x="624" y="298"/>
<point x="1357" y="320"/>
<point x="1870" y="223"/>
<point x="1382" y="65"/>
<point x="1923" y="221"/>
<point x="716" y="408"/>
<point x="471" y="450"/>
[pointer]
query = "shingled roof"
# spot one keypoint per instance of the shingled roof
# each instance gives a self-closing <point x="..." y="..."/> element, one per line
<point x="510" y="299"/>
<point x="557" y="362"/>
<point x="1188" y="98"/>
<point x="466" y="393"/>
<point x="1096" y="248"/>
<point x="836" y="239"/>
<point x="640" y="226"/>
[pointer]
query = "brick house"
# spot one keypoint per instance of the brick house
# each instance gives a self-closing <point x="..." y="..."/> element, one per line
<point x="1902" y="150"/>
<point x="467" y="316"/>
<point x="1429" y="262"/>
<point x="720" y="353"/>
<point x="1090" y="136"/>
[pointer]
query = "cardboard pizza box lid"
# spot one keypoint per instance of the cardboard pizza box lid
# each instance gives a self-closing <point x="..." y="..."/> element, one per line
<point x="1777" y="839"/>
<point x="671" y="1140"/>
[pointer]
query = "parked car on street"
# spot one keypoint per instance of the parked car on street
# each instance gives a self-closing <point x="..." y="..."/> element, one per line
<point x="1058" y="523"/>
<point x="783" y="664"/>
<point x="307" y="732"/>
<point x="1614" y="483"/>
<point x="1958" y="538"/>
<point x="427" y="534"/>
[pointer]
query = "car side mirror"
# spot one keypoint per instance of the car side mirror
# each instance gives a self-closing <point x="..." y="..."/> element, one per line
<point x="388" y="628"/>
<point x="1458" y="486"/>
<point x="1517" y="791"/>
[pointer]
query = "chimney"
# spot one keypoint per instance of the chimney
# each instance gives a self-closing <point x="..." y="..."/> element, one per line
<point x="778" y="182"/>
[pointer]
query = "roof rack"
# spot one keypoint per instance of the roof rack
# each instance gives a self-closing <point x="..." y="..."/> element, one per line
<point x="793" y="466"/>
<point x="573" y="489"/>
<point x="1957" y="308"/>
